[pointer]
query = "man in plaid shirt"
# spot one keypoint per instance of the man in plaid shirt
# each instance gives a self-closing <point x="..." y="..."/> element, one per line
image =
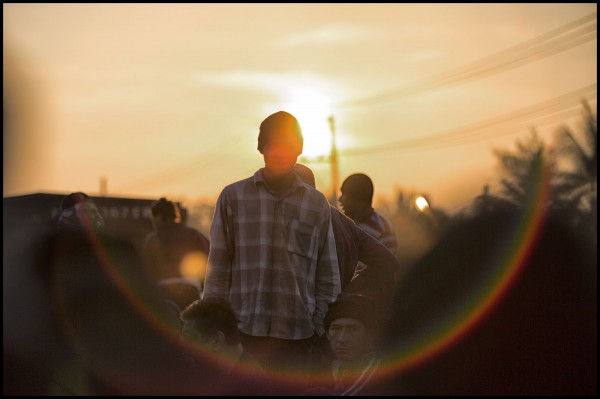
<point x="273" y="254"/>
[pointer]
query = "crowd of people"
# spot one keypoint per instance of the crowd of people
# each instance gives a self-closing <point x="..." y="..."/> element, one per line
<point x="297" y="298"/>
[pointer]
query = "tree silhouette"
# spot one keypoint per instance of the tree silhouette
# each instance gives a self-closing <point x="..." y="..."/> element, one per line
<point x="576" y="185"/>
<point x="524" y="170"/>
<point x="487" y="202"/>
<point x="579" y="185"/>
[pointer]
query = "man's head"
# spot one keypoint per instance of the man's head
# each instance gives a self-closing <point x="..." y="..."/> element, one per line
<point x="352" y="325"/>
<point x="70" y="200"/>
<point x="280" y="141"/>
<point x="305" y="174"/>
<point x="281" y="127"/>
<point x="357" y="194"/>
<point x="163" y="211"/>
<point x="211" y="323"/>
<point x="78" y="210"/>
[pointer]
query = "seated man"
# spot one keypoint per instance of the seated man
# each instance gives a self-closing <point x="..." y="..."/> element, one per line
<point x="210" y="328"/>
<point x="353" y="323"/>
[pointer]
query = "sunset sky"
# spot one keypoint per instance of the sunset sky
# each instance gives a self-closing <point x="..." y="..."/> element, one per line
<point x="166" y="99"/>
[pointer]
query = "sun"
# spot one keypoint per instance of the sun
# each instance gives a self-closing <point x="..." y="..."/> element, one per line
<point x="312" y="109"/>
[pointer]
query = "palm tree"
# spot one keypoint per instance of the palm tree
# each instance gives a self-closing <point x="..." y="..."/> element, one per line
<point x="525" y="171"/>
<point x="487" y="202"/>
<point x="576" y="186"/>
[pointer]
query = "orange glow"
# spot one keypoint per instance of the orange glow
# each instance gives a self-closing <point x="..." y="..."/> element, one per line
<point x="421" y="204"/>
<point x="146" y="96"/>
<point x="312" y="109"/>
<point x="193" y="265"/>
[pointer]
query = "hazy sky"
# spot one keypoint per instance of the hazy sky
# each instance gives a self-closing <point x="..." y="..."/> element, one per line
<point x="166" y="99"/>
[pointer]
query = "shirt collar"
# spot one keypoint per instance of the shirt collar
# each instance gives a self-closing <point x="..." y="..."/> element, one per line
<point x="296" y="184"/>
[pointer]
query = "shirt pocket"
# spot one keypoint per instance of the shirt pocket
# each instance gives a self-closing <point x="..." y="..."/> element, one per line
<point x="303" y="239"/>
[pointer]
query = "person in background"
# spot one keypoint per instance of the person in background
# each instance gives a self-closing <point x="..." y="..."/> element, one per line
<point x="377" y="276"/>
<point x="175" y="256"/>
<point x="35" y="349"/>
<point x="355" y="245"/>
<point x="79" y="211"/>
<point x="210" y="326"/>
<point x="96" y="325"/>
<point x="356" y="201"/>
<point x="273" y="255"/>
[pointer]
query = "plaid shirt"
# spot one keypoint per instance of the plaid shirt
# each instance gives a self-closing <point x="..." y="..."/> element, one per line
<point x="274" y="259"/>
<point x="377" y="226"/>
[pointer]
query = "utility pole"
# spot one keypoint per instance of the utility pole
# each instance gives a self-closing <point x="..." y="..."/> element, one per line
<point x="103" y="186"/>
<point x="333" y="158"/>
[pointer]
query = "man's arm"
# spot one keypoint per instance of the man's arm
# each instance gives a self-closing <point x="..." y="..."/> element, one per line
<point x="379" y="266"/>
<point x="327" y="279"/>
<point x="217" y="280"/>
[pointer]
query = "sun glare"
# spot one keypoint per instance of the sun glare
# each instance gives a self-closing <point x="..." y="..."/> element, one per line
<point x="312" y="109"/>
<point x="421" y="203"/>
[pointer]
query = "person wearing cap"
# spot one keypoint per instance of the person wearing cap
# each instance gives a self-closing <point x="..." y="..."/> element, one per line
<point x="356" y="201"/>
<point x="353" y="325"/>
<point x="273" y="253"/>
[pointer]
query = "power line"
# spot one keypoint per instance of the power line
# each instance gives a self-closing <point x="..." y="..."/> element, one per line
<point x="545" y="108"/>
<point x="547" y="44"/>
<point x="543" y="113"/>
